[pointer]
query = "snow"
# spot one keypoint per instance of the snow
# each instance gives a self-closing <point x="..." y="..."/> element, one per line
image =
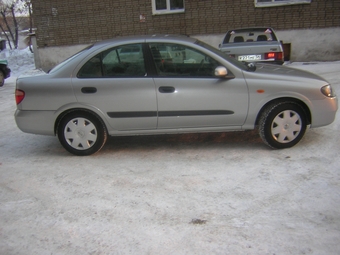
<point x="224" y="193"/>
<point x="19" y="61"/>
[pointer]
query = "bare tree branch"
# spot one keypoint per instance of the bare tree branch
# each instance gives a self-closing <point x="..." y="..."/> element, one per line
<point x="10" y="23"/>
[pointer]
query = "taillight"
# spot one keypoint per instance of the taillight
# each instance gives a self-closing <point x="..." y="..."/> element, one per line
<point x="19" y="96"/>
<point x="273" y="55"/>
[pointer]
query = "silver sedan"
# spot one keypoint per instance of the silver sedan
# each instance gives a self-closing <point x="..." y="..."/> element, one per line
<point x="164" y="85"/>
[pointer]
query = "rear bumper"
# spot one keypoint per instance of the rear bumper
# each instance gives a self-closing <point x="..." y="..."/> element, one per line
<point x="276" y="62"/>
<point x="35" y="122"/>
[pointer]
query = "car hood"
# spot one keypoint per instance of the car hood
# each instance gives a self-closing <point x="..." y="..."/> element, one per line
<point x="286" y="73"/>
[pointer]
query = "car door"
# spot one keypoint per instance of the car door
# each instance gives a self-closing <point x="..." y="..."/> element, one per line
<point x="115" y="82"/>
<point x="190" y="95"/>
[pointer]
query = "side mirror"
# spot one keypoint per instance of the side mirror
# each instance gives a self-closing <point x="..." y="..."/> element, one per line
<point x="221" y="72"/>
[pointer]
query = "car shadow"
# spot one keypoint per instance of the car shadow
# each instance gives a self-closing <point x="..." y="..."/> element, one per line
<point x="179" y="141"/>
<point x="50" y="146"/>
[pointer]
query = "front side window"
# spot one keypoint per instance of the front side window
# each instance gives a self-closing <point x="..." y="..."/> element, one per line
<point x="174" y="60"/>
<point x="167" y="6"/>
<point x="270" y="3"/>
<point x="125" y="60"/>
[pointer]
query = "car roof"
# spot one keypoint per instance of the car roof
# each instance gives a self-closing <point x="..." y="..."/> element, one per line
<point x="146" y="38"/>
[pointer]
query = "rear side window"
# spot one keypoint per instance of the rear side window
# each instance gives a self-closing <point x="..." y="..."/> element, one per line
<point x="250" y="35"/>
<point x="122" y="61"/>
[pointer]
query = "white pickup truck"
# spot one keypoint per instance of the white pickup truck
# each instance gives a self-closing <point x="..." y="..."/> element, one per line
<point x="258" y="44"/>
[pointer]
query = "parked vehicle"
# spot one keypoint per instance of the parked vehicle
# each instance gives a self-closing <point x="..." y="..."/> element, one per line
<point x="4" y="71"/>
<point x="253" y="45"/>
<point x="194" y="88"/>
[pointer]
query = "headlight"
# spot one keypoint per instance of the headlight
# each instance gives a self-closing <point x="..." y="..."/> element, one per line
<point x="328" y="91"/>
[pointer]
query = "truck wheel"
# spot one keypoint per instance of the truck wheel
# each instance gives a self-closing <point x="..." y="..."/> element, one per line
<point x="2" y="79"/>
<point x="282" y="125"/>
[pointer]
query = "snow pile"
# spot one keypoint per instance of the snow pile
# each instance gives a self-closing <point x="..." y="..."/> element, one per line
<point x="19" y="61"/>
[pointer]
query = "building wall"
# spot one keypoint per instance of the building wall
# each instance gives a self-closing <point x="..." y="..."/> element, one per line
<point x="74" y="22"/>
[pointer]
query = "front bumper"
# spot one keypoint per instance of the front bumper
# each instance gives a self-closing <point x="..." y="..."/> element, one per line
<point x="324" y="112"/>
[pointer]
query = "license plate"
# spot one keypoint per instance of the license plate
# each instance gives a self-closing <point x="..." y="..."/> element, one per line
<point x="249" y="57"/>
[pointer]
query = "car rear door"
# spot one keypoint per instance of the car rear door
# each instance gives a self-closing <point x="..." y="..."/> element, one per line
<point x="190" y="95"/>
<point x="115" y="81"/>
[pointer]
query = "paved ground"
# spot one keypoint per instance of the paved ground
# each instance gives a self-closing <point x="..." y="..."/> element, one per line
<point x="188" y="194"/>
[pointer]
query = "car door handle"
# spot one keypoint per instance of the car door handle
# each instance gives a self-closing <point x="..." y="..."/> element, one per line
<point x="166" y="89"/>
<point x="89" y="90"/>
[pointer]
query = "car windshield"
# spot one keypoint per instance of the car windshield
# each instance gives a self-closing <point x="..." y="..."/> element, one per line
<point x="233" y="61"/>
<point x="60" y="65"/>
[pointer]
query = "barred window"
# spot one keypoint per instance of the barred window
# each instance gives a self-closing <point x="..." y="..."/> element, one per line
<point x="167" y="6"/>
<point x="270" y="3"/>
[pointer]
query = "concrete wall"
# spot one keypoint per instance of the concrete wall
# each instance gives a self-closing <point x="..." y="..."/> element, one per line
<point x="313" y="44"/>
<point x="51" y="56"/>
<point x="306" y="45"/>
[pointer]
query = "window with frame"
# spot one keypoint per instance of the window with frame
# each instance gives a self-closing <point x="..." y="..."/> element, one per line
<point x="175" y="60"/>
<point x="272" y="3"/>
<point x="125" y="60"/>
<point x="167" y="6"/>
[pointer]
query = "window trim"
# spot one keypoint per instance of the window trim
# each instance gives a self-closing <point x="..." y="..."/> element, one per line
<point x="168" y="10"/>
<point x="274" y="3"/>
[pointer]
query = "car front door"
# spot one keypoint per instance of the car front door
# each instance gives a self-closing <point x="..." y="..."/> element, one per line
<point x="115" y="82"/>
<point x="190" y="95"/>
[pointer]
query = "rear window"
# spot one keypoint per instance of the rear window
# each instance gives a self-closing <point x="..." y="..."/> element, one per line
<point x="250" y="35"/>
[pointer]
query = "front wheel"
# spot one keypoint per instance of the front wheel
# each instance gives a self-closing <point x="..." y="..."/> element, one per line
<point x="282" y="125"/>
<point x="81" y="133"/>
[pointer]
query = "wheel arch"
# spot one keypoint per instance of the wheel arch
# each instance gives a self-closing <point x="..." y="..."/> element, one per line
<point x="300" y="103"/>
<point x="78" y="109"/>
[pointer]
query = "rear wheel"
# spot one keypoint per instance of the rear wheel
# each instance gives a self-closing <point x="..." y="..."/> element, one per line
<point x="81" y="133"/>
<point x="282" y="125"/>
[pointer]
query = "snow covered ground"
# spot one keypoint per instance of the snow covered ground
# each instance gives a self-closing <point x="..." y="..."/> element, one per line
<point x="222" y="193"/>
<point x="19" y="62"/>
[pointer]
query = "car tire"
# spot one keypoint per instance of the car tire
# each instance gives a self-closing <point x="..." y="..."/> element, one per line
<point x="282" y="125"/>
<point x="81" y="133"/>
<point x="2" y="78"/>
